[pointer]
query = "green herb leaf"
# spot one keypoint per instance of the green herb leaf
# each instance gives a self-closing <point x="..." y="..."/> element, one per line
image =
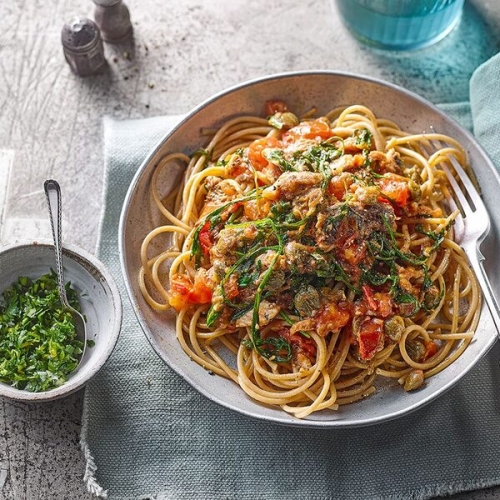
<point x="212" y="316"/>
<point x="363" y="138"/>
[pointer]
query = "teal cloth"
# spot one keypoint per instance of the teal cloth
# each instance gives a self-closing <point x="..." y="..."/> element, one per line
<point x="148" y="434"/>
<point x="485" y="106"/>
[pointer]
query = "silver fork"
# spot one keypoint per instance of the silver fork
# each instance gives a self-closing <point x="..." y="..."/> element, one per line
<point x="473" y="225"/>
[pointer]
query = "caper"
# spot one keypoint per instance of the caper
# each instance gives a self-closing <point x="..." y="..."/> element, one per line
<point x="394" y="328"/>
<point x="276" y="280"/>
<point x="414" y="380"/>
<point x="431" y="297"/>
<point x="414" y="175"/>
<point x="306" y="301"/>
<point x="283" y="121"/>
<point x="415" y="349"/>
<point x="415" y="190"/>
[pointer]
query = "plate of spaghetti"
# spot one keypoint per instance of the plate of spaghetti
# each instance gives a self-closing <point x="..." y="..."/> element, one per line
<point x="294" y="237"/>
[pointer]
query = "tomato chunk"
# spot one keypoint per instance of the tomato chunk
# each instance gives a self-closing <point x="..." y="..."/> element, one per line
<point x="431" y="348"/>
<point x="370" y="337"/>
<point x="314" y="129"/>
<point x="183" y="292"/>
<point x="255" y="151"/>
<point x="378" y="302"/>
<point x="331" y="318"/>
<point x="339" y="186"/>
<point x="273" y="107"/>
<point x="206" y="238"/>
<point x="394" y="188"/>
<point x="300" y="344"/>
<point x="370" y="300"/>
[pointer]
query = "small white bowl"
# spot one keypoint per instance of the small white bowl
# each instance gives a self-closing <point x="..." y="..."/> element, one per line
<point x="99" y="299"/>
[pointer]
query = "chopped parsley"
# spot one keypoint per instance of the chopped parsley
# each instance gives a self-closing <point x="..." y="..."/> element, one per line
<point x="39" y="346"/>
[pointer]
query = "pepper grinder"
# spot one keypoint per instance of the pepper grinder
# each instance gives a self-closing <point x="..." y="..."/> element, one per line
<point x="82" y="46"/>
<point x="113" y="19"/>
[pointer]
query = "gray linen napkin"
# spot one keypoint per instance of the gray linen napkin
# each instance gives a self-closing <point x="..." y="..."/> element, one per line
<point x="148" y="434"/>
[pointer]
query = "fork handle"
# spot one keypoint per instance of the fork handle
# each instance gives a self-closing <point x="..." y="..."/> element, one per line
<point x="477" y="260"/>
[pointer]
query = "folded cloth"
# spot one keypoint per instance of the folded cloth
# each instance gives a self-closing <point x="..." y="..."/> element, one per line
<point x="485" y="106"/>
<point x="147" y="434"/>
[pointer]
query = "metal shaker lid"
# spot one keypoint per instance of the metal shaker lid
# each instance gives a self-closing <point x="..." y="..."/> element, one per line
<point x="79" y="34"/>
<point x="106" y="3"/>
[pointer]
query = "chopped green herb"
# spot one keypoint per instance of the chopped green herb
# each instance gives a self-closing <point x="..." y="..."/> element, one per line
<point x="276" y="156"/>
<point x="363" y="138"/>
<point x="438" y="238"/>
<point x="212" y="316"/>
<point x="203" y="152"/>
<point x="39" y="346"/>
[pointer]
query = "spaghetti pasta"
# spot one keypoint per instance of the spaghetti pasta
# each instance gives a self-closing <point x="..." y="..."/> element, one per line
<point x="310" y="257"/>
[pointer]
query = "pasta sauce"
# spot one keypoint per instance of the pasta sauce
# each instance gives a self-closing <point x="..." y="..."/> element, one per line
<point x="318" y="253"/>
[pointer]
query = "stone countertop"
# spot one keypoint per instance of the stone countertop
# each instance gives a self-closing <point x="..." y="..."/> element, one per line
<point x="181" y="53"/>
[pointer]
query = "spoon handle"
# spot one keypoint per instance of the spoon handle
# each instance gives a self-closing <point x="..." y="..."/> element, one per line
<point x="53" y="194"/>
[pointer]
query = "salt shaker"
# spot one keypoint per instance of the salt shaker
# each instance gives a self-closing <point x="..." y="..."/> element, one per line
<point x="113" y="19"/>
<point x="82" y="46"/>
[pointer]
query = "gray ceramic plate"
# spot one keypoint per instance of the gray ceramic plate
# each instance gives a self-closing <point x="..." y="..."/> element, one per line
<point x="301" y="91"/>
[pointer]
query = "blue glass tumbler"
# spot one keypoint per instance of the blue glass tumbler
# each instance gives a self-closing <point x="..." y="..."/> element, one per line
<point x="400" y="24"/>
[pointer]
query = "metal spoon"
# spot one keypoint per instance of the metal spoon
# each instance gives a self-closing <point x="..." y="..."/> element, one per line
<point x="53" y="194"/>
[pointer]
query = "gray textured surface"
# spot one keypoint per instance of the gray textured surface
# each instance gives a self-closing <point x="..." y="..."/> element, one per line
<point x="50" y="126"/>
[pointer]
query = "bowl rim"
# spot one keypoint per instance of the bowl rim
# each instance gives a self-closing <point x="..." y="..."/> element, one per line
<point x="286" y="419"/>
<point x="76" y="383"/>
